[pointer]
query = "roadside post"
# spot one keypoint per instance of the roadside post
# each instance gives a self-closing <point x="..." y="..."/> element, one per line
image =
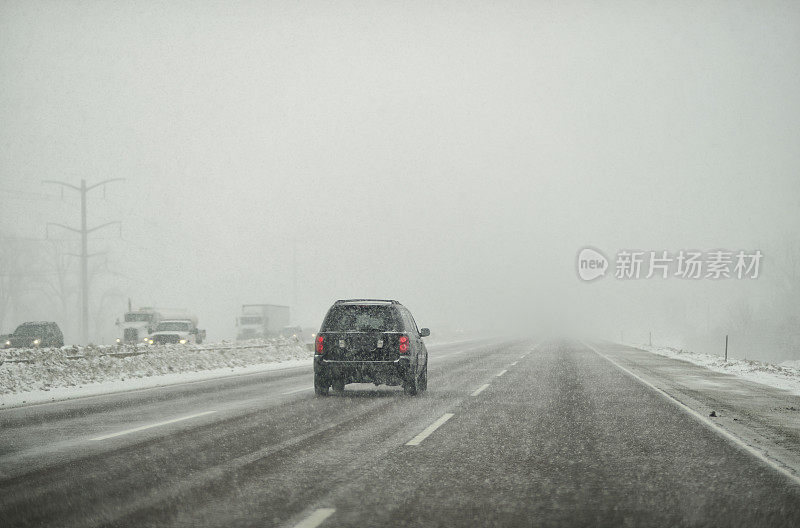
<point x="726" y="348"/>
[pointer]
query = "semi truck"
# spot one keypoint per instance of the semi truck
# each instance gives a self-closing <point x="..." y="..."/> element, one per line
<point x="259" y="321"/>
<point x="137" y="325"/>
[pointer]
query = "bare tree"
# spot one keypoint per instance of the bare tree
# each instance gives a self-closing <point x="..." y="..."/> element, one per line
<point x="17" y="272"/>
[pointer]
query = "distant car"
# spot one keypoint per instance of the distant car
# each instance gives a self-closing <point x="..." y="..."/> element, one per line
<point x="35" y="334"/>
<point x="292" y="332"/>
<point x="370" y="341"/>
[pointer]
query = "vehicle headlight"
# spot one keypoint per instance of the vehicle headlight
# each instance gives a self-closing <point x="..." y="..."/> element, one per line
<point x="182" y="341"/>
<point x="119" y="340"/>
<point x="36" y="341"/>
<point x="150" y="341"/>
<point x="145" y="339"/>
<point x="8" y="343"/>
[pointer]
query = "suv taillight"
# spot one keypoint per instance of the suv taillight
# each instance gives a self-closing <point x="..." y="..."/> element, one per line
<point x="318" y="344"/>
<point x="403" y="344"/>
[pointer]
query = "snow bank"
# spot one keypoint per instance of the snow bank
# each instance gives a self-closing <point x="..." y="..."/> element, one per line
<point x="795" y="363"/>
<point x="34" y="375"/>
<point x="784" y="376"/>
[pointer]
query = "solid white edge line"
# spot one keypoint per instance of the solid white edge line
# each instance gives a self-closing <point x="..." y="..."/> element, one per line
<point x="150" y="426"/>
<point x="297" y="390"/>
<point x="429" y="430"/>
<point x="717" y="428"/>
<point x="501" y="373"/>
<point x="316" y="518"/>
<point x="480" y="389"/>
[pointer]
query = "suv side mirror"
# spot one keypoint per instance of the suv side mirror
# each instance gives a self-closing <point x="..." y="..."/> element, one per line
<point x="424" y="332"/>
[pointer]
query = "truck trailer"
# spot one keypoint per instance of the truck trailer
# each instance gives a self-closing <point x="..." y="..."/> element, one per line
<point x="260" y="321"/>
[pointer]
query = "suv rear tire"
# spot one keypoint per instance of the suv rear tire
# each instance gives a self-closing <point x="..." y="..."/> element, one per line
<point x="338" y="386"/>
<point x="320" y="387"/>
<point x="423" y="379"/>
<point x="411" y="385"/>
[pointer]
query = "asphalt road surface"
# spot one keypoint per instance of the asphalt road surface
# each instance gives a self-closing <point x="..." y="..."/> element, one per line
<point x="508" y="434"/>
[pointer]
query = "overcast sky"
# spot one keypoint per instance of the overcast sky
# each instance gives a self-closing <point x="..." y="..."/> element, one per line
<point x="452" y="155"/>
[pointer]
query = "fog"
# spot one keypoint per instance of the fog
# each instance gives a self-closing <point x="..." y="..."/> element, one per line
<point x="455" y="156"/>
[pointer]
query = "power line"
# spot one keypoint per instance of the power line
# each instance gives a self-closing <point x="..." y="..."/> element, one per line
<point x="31" y="195"/>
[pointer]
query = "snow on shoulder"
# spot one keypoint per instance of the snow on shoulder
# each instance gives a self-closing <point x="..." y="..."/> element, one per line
<point x="784" y="376"/>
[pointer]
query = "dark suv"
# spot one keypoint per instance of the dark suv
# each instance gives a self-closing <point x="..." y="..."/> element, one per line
<point x="35" y="334"/>
<point x="370" y="341"/>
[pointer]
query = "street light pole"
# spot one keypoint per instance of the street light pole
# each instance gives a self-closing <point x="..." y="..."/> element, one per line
<point x="84" y="256"/>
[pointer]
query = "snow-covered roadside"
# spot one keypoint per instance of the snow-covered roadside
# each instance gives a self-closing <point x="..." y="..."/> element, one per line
<point x="33" y="376"/>
<point x="785" y="376"/>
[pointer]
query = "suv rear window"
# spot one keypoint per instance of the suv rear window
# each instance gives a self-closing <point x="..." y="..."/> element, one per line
<point x="361" y="318"/>
<point x="30" y="330"/>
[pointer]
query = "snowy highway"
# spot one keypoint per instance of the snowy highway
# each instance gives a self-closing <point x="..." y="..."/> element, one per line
<point x="419" y="264"/>
<point x="556" y="433"/>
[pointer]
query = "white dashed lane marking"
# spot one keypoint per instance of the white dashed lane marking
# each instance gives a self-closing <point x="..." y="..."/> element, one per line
<point x="316" y="518"/>
<point x="150" y="426"/>
<point x="480" y="389"/>
<point x="298" y="390"/>
<point x="429" y="430"/>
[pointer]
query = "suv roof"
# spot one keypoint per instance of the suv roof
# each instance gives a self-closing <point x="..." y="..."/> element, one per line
<point x="366" y="301"/>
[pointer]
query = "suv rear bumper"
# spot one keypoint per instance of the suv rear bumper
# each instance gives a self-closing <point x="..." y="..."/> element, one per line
<point x="379" y="372"/>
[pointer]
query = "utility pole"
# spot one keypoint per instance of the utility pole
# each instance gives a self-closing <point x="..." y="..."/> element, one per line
<point x="84" y="256"/>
